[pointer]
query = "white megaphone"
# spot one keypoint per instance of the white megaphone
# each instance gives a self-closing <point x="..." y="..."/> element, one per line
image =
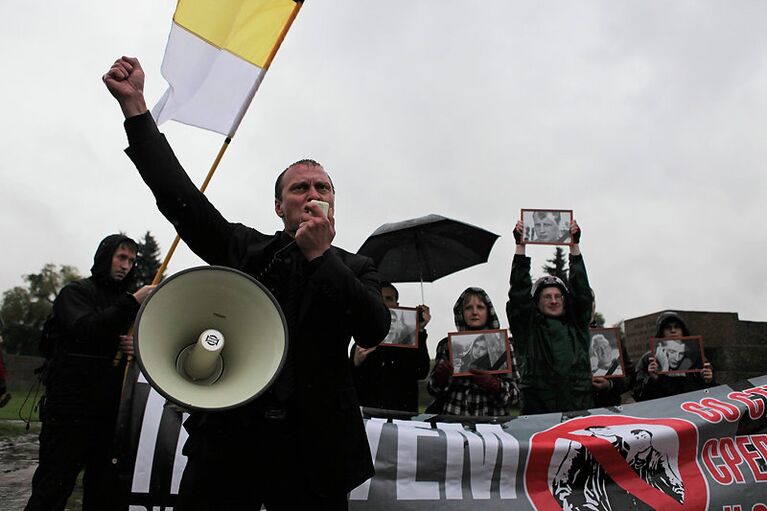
<point x="210" y="338"/>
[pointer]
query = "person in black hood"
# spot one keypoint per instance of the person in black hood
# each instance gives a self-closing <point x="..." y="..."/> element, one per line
<point x="87" y="326"/>
<point x="650" y="384"/>
<point x="608" y="392"/>
<point x="481" y="393"/>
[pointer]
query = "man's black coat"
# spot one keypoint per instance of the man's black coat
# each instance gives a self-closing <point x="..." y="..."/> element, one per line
<point x="338" y="297"/>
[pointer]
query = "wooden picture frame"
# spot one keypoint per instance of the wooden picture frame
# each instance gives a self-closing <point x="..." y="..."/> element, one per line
<point x="678" y="355"/>
<point x="546" y="226"/>
<point x="465" y="352"/>
<point x="404" y="328"/>
<point x="606" y="353"/>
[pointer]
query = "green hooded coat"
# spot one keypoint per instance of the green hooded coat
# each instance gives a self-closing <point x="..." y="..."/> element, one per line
<point x="552" y="353"/>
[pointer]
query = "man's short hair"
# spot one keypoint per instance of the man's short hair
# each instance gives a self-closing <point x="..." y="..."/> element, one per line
<point x="306" y="161"/>
<point x="390" y="285"/>
<point x="637" y="431"/>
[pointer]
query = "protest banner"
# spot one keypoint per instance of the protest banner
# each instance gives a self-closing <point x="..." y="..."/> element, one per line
<point x="697" y="451"/>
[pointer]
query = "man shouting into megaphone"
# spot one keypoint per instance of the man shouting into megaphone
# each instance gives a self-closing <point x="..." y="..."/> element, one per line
<point x="303" y="440"/>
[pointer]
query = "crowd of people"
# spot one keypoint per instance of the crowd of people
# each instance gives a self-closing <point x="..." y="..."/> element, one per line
<point x="557" y="364"/>
<point x="308" y="423"/>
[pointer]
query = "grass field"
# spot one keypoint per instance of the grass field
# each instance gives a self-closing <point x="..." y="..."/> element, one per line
<point x="11" y="410"/>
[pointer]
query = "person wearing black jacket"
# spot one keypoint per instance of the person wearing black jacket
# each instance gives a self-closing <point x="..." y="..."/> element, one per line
<point x="301" y="444"/>
<point x="82" y="385"/>
<point x="608" y="391"/>
<point x="650" y="384"/>
<point x="387" y="377"/>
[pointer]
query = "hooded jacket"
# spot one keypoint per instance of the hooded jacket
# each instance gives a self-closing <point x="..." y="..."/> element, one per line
<point x="388" y="377"/>
<point x="553" y="353"/>
<point x="87" y="319"/>
<point x="667" y="316"/>
<point x="461" y="396"/>
<point x="665" y="385"/>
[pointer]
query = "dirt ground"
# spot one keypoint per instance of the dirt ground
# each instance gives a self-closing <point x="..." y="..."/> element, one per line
<point x="18" y="460"/>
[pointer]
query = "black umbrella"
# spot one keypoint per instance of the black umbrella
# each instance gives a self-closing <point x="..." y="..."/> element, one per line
<point x="427" y="248"/>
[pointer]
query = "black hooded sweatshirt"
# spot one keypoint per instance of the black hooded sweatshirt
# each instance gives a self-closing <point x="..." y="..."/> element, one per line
<point x="88" y="317"/>
<point x="665" y="385"/>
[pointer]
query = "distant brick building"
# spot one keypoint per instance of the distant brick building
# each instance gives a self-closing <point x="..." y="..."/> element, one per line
<point x="736" y="349"/>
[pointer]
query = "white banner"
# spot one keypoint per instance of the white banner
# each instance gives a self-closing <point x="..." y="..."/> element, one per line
<point x="704" y="450"/>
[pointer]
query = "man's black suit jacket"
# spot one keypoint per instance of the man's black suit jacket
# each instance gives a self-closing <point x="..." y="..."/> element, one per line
<point x="341" y="298"/>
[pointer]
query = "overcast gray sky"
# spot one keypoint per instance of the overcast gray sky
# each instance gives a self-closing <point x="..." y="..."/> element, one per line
<point x="645" y="118"/>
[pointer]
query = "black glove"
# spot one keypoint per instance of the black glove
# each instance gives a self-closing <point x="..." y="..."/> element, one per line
<point x="577" y="236"/>
<point x="517" y="236"/>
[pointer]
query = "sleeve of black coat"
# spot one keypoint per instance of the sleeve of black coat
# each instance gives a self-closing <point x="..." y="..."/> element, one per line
<point x="432" y="386"/>
<point x="94" y="329"/>
<point x="626" y="383"/>
<point x="423" y="356"/>
<point x="520" y="308"/>
<point x="353" y="290"/>
<point x="581" y="298"/>
<point x="197" y="221"/>
<point x="645" y="388"/>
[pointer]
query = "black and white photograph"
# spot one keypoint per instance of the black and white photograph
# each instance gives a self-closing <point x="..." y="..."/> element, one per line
<point x="605" y="353"/>
<point x="403" y="332"/>
<point x="547" y="226"/>
<point x="483" y="350"/>
<point x="678" y="355"/>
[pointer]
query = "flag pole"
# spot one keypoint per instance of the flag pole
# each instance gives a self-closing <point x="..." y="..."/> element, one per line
<point x="158" y="276"/>
<point x="164" y="266"/>
<point x="220" y="155"/>
<point x="235" y="125"/>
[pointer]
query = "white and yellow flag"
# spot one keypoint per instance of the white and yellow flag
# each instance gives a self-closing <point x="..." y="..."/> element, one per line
<point x="217" y="54"/>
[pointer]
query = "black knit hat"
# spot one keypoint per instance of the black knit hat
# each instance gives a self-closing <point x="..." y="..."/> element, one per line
<point x="667" y="316"/>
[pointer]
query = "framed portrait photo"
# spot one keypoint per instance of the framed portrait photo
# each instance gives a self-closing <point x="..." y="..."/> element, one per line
<point x="605" y="353"/>
<point x="486" y="350"/>
<point x="403" y="331"/>
<point x="678" y="355"/>
<point x="547" y="226"/>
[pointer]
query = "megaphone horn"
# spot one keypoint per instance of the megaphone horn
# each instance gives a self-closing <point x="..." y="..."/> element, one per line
<point x="210" y="338"/>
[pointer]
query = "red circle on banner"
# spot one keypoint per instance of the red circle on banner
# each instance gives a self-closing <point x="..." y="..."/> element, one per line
<point x="542" y="447"/>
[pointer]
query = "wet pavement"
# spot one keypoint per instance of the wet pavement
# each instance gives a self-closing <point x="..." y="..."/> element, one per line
<point x="18" y="460"/>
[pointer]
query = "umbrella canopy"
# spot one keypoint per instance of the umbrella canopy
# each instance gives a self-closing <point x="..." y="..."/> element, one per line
<point x="427" y="248"/>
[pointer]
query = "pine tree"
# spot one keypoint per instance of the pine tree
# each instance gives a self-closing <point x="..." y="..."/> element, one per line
<point x="557" y="266"/>
<point x="598" y="319"/>
<point x="148" y="261"/>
